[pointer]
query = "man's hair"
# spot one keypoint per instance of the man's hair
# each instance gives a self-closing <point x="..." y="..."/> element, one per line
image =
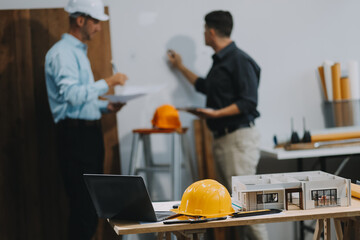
<point x="221" y="21"/>
<point x="73" y="16"/>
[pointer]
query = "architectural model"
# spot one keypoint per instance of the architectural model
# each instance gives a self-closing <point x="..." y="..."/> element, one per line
<point x="290" y="191"/>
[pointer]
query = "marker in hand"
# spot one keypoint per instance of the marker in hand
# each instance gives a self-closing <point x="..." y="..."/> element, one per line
<point x="171" y="53"/>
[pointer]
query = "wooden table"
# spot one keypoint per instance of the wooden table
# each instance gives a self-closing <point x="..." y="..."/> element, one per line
<point x="349" y="215"/>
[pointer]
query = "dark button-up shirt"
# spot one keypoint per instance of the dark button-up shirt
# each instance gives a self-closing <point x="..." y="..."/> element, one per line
<point x="233" y="78"/>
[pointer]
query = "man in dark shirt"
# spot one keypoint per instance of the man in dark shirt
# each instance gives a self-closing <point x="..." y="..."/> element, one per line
<point x="231" y="88"/>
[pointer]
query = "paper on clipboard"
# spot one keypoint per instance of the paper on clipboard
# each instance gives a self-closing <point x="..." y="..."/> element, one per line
<point x="128" y="93"/>
<point x="192" y="110"/>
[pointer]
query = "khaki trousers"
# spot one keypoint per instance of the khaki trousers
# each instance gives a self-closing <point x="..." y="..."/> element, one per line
<point x="237" y="154"/>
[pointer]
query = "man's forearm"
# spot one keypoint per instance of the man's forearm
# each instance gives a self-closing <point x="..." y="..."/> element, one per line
<point x="228" y="111"/>
<point x="189" y="75"/>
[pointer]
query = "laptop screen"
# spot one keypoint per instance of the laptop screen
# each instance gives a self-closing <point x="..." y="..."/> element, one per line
<point x="120" y="197"/>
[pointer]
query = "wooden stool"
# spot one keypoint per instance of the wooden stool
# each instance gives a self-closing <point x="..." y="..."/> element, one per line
<point x="178" y="145"/>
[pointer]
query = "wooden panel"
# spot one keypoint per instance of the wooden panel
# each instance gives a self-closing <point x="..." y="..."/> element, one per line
<point x="199" y="148"/>
<point x="33" y="204"/>
<point x="19" y="164"/>
<point x="204" y="153"/>
<point x="45" y="31"/>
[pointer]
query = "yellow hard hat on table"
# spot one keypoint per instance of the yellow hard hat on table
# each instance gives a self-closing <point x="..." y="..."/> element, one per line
<point x="206" y="198"/>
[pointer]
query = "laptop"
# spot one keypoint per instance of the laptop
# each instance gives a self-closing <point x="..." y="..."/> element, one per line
<point x="123" y="198"/>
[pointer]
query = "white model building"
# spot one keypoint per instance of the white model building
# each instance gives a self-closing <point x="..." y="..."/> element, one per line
<point x="288" y="191"/>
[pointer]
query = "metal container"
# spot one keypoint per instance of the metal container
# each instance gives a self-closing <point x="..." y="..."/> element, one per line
<point x="341" y="113"/>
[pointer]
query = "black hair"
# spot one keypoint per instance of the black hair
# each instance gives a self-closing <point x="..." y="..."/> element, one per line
<point x="221" y="21"/>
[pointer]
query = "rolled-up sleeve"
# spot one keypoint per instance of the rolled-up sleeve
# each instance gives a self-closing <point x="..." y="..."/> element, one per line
<point x="200" y="85"/>
<point x="247" y="84"/>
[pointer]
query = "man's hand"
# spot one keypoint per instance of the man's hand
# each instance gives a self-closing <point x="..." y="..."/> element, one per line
<point x="116" y="79"/>
<point x="174" y="59"/>
<point x="176" y="62"/>
<point x="218" y="113"/>
<point x="206" y="113"/>
<point x="115" y="107"/>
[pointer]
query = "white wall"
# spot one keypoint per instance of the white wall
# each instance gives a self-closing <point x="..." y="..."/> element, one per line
<point x="288" y="39"/>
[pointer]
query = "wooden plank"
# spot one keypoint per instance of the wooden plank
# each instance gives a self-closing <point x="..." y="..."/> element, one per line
<point x="318" y="229"/>
<point x="338" y="229"/>
<point x="29" y="170"/>
<point x="208" y="146"/>
<point x="45" y="23"/>
<point x="10" y="128"/>
<point x="327" y="229"/>
<point x="199" y="148"/>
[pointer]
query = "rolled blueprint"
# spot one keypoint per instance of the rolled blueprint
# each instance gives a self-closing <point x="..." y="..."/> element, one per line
<point x="323" y="84"/>
<point x="335" y="136"/>
<point x="345" y="88"/>
<point x="353" y="69"/>
<point x="328" y="78"/>
<point x="336" y="74"/>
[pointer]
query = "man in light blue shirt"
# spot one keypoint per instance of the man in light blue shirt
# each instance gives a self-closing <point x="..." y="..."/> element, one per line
<point x="72" y="91"/>
<point x="76" y="108"/>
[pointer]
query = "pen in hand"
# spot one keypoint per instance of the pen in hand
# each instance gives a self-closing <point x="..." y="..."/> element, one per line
<point x="171" y="52"/>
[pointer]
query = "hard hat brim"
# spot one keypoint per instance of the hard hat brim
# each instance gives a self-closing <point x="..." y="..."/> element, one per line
<point x="101" y="17"/>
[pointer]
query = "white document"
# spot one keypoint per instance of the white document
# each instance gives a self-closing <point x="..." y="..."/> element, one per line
<point x="164" y="206"/>
<point x="128" y="93"/>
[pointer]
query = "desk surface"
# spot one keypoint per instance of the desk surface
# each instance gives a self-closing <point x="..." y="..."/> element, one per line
<point x="123" y="227"/>
<point x="282" y="154"/>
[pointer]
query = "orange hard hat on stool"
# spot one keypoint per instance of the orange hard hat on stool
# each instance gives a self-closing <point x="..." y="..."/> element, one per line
<point x="166" y="117"/>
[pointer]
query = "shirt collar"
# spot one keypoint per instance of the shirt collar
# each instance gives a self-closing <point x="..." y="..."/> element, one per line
<point x="223" y="52"/>
<point x="74" y="41"/>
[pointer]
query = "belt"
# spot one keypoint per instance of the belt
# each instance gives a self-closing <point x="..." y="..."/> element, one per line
<point x="222" y="132"/>
<point x="68" y="122"/>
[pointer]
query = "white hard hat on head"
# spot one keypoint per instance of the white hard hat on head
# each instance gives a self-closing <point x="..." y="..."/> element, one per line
<point x="94" y="8"/>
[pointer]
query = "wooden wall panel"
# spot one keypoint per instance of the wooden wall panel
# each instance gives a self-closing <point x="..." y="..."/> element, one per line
<point x="20" y="171"/>
<point x="45" y="31"/>
<point x="204" y="153"/>
<point x="33" y="204"/>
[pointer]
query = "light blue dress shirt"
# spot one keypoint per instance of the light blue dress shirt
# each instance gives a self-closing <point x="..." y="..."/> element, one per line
<point x="70" y="84"/>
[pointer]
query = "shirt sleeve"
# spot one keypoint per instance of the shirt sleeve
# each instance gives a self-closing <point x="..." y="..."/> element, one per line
<point x="247" y="83"/>
<point x="103" y="106"/>
<point x="67" y="79"/>
<point x="200" y="85"/>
